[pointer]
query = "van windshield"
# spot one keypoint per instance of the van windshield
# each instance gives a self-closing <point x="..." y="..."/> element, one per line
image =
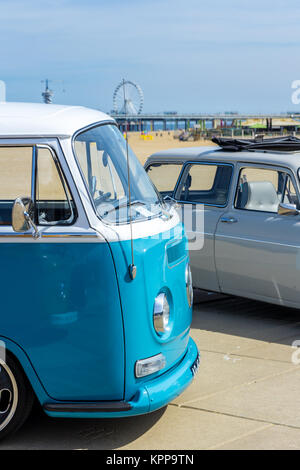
<point x="101" y="153"/>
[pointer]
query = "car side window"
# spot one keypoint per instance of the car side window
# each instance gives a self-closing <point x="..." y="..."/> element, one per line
<point x="164" y="176"/>
<point x="261" y="189"/>
<point x="54" y="203"/>
<point x="15" y="178"/>
<point x="205" y="183"/>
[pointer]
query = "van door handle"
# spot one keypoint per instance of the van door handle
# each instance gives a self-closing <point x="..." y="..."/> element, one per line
<point x="228" y="220"/>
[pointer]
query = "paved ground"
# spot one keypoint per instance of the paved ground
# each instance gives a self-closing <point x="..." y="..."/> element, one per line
<point x="245" y="396"/>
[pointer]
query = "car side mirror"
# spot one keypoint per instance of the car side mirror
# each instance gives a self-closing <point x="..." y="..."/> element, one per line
<point x="287" y="209"/>
<point x="22" y="215"/>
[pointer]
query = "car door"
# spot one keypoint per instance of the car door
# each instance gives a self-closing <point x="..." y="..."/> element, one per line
<point x="257" y="250"/>
<point x="203" y="192"/>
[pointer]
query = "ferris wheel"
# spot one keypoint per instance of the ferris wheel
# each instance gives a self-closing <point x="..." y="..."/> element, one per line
<point x="128" y="98"/>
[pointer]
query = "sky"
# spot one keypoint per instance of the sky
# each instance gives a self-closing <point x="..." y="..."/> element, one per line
<point x="187" y="56"/>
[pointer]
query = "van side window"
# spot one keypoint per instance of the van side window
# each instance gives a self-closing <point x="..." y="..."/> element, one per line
<point x="15" y="178"/>
<point x="261" y="189"/>
<point x="54" y="204"/>
<point x="205" y="184"/>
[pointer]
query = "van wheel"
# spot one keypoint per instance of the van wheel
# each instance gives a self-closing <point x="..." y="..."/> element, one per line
<point x="16" y="397"/>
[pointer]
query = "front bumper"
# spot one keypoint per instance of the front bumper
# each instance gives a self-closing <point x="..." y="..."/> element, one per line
<point x="150" y="397"/>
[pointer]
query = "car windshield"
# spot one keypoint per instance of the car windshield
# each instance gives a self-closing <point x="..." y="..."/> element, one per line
<point x="102" y="156"/>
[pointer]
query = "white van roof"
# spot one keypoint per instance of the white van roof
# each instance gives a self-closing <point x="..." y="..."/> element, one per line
<point x="37" y="119"/>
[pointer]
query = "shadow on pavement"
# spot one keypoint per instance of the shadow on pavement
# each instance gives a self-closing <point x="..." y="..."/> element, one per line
<point x="247" y="318"/>
<point x="42" y="432"/>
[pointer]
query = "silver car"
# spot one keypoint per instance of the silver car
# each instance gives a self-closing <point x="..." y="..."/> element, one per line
<point x="251" y="232"/>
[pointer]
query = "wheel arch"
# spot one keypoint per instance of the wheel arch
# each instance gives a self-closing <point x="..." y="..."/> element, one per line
<point x="23" y="360"/>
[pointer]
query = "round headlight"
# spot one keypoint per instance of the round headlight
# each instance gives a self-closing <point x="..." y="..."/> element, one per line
<point x="161" y="314"/>
<point x="189" y="285"/>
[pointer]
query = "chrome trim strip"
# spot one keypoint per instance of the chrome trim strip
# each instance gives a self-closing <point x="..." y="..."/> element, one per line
<point x="72" y="219"/>
<point x="50" y="235"/>
<point x="68" y="235"/>
<point x="34" y="136"/>
<point x="258" y="241"/>
<point x="71" y="235"/>
<point x="33" y="174"/>
<point x="90" y="126"/>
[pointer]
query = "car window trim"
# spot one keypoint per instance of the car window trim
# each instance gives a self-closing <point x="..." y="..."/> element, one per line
<point x="64" y="182"/>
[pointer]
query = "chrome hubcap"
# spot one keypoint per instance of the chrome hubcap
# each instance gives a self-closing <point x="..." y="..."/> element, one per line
<point x="8" y="395"/>
<point x="5" y="400"/>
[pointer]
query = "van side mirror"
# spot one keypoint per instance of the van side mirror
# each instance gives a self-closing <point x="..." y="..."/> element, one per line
<point x="22" y="215"/>
<point x="287" y="209"/>
<point x="171" y="202"/>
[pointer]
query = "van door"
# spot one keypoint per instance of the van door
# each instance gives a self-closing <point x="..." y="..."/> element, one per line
<point x="59" y="295"/>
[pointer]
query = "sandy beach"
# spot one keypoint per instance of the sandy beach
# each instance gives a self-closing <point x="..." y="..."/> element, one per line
<point x="161" y="140"/>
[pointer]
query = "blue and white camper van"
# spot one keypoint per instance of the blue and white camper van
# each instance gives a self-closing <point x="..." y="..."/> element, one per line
<point x="95" y="285"/>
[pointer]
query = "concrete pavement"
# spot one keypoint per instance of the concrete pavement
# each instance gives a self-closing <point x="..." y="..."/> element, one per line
<point x="245" y="396"/>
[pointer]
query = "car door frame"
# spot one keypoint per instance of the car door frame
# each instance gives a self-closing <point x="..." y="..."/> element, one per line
<point x="204" y="271"/>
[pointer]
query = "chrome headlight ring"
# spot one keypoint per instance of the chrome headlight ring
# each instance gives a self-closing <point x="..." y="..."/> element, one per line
<point x="189" y="285"/>
<point x="161" y="314"/>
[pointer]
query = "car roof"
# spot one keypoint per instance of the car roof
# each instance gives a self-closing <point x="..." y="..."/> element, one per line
<point x="37" y="119"/>
<point x="216" y="154"/>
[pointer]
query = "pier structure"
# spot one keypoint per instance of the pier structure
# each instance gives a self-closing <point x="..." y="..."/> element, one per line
<point x="143" y="122"/>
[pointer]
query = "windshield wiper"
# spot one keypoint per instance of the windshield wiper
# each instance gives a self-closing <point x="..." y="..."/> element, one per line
<point x="124" y="204"/>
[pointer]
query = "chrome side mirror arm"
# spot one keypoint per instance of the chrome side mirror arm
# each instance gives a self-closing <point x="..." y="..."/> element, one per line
<point x="21" y="216"/>
<point x="171" y="202"/>
<point x="36" y="234"/>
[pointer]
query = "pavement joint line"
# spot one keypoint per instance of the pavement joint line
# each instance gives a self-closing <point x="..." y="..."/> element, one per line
<point x="245" y="355"/>
<point x="236" y="387"/>
<point x="261" y="358"/>
<point x="258" y="420"/>
<point x="241" y="436"/>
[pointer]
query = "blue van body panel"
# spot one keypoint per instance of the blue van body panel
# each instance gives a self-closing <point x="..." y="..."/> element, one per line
<point x="63" y="309"/>
<point x="157" y="393"/>
<point x="78" y="323"/>
<point x="161" y="262"/>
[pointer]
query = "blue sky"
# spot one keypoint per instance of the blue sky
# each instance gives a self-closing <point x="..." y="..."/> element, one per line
<point x="189" y="56"/>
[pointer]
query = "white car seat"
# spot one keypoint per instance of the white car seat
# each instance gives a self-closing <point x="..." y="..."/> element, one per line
<point x="258" y="196"/>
